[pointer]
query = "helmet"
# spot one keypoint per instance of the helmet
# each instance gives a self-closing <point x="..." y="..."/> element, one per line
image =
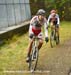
<point x="41" y="12"/>
<point x="53" y="11"/>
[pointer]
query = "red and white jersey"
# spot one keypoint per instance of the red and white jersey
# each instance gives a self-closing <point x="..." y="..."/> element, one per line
<point x="36" y="24"/>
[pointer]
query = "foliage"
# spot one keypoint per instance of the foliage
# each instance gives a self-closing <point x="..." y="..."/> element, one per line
<point x="62" y="6"/>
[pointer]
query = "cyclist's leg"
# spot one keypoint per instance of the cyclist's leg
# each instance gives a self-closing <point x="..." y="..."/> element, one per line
<point x="30" y="46"/>
<point x="40" y="43"/>
<point x="40" y="40"/>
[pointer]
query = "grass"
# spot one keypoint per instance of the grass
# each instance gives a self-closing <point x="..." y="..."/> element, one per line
<point x="13" y="53"/>
<point x="65" y="31"/>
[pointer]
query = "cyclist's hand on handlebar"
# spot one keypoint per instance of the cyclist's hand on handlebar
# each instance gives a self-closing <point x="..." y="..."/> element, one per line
<point x="46" y="39"/>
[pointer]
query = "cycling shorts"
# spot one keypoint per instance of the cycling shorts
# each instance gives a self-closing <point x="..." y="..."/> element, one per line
<point x="36" y="32"/>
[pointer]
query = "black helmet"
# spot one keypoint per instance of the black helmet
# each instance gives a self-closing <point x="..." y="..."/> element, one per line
<point x="41" y="12"/>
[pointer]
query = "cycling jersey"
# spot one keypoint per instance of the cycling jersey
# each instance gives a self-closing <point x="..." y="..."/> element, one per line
<point x="55" y="19"/>
<point x="35" y="27"/>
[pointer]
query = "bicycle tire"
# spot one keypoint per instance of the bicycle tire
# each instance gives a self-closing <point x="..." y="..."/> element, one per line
<point x="69" y="73"/>
<point x="33" y="64"/>
<point x="57" y="40"/>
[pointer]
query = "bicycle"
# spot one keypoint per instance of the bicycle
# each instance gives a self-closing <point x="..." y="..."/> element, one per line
<point x="69" y="72"/>
<point x="54" y="38"/>
<point x="35" y="52"/>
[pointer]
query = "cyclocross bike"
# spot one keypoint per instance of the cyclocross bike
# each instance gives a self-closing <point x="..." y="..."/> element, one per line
<point x="54" y="38"/>
<point x="34" y="55"/>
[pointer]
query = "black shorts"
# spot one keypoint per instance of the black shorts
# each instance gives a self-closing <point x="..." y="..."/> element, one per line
<point x="55" y="23"/>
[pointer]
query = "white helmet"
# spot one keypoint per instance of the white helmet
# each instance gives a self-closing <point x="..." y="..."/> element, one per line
<point x="41" y="12"/>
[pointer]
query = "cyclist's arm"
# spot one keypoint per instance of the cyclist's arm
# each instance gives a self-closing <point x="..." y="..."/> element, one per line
<point x="33" y="20"/>
<point x="46" y="28"/>
<point x="32" y="23"/>
<point x="48" y="19"/>
<point x="58" y="20"/>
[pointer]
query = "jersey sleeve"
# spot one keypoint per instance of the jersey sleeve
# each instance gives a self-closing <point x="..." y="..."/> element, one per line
<point x="45" y="28"/>
<point x="33" y="20"/>
<point x="58" y="19"/>
<point x="48" y="19"/>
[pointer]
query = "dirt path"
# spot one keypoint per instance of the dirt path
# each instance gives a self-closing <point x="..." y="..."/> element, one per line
<point x="57" y="60"/>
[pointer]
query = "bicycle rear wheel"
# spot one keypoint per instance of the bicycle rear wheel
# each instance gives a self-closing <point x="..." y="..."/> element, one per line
<point x="57" y="40"/>
<point x="33" y="61"/>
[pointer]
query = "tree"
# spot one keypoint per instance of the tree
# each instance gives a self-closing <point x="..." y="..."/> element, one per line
<point x="62" y="6"/>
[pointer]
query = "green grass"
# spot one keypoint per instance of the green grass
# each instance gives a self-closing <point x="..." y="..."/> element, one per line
<point x="65" y="30"/>
<point x="13" y="53"/>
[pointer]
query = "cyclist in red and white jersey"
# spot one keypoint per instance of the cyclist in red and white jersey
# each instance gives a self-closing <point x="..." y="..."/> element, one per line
<point x="36" y="24"/>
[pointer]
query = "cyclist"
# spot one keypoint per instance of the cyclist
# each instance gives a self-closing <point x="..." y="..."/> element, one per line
<point x="35" y="29"/>
<point x="53" y="19"/>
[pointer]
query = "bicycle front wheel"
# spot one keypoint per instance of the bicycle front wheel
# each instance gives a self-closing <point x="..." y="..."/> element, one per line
<point x="33" y="59"/>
